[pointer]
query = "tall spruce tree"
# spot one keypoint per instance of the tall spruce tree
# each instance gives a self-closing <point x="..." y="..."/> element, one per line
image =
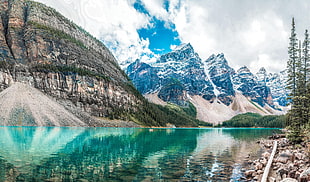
<point x="292" y="73"/>
<point x="291" y="64"/>
<point x="306" y="60"/>
<point x="305" y="80"/>
<point x="306" y="74"/>
<point x="299" y="72"/>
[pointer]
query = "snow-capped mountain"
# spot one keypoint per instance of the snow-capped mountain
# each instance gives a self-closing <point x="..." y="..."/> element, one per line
<point x="248" y="84"/>
<point x="277" y="84"/>
<point x="217" y="91"/>
<point x="184" y="65"/>
<point x="144" y="77"/>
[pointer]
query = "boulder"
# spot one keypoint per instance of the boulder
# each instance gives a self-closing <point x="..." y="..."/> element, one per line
<point x="266" y="155"/>
<point x="282" y="172"/>
<point x="271" y="179"/>
<point x="305" y="176"/>
<point x="299" y="156"/>
<point x="284" y="157"/>
<point x="249" y="173"/>
<point x="289" y="180"/>
<point x="259" y="166"/>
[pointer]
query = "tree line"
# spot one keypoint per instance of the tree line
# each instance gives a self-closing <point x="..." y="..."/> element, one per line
<point x="298" y="84"/>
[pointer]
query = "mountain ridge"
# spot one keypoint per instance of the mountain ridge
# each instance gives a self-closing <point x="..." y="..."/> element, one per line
<point x="222" y="89"/>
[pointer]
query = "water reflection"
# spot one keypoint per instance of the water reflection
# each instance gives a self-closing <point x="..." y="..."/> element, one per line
<point x="119" y="154"/>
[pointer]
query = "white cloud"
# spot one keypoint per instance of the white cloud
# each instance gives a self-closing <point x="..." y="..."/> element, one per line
<point x="191" y="23"/>
<point x="267" y="61"/>
<point x="255" y="35"/>
<point x="156" y="9"/>
<point x="115" y="22"/>
<point x="248" y="32"/>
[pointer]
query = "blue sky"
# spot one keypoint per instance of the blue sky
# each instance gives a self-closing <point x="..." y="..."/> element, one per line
<point x="249" y="32"/>
<point x="161" y="38"/>
<point x="161" y="35"/>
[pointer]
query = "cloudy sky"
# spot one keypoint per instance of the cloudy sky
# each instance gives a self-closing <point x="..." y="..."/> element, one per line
<point x="249" y="32"/>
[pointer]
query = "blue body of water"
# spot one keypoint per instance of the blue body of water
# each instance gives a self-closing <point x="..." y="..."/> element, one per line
<point x="124" y="154"/>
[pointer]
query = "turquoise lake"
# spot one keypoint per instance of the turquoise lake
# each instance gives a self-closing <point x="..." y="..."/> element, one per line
<point x="124" y="154"/>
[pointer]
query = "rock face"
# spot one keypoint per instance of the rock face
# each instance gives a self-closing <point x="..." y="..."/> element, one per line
<point x="41" y="48"/>
<point x="144" y="77"/>
<point x="213" y="80"/>
<point x="247" y="83"/>
<point x="277" y="84"/>
<point x="220" y="75"/>
<point x="174" y="92"/>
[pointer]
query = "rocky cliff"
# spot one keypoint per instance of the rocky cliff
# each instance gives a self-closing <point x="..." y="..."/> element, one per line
<point x="217" y="91"/>
<point x="277" y="84"/>
<point x="41" y="48"/>
<point x="216" y="66"/>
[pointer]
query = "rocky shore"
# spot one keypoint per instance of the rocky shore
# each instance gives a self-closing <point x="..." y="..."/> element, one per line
<point x="291" y="163"/>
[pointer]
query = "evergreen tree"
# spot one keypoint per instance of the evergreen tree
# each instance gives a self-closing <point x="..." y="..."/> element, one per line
<point x="299" y="73"/>
<point x="305" y="80"/>
<point x="293" y="58"/>
<point x="298" y="83"/>
<point x="306" y="60"/>
<point x="291" y="70"/>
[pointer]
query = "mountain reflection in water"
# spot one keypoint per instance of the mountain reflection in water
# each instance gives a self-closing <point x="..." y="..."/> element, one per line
<point x="123" y="154"/>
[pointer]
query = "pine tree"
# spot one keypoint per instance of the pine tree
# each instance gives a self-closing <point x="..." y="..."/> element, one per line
<point x="291" y="70"/>
<point x="299" y="73"/>
<point x="305" y="71"/>
<point x="291" y="64"/>
<point x="306" y="58"/>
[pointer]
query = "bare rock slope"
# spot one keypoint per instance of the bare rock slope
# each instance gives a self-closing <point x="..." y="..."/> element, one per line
<point x="22" y="104"/>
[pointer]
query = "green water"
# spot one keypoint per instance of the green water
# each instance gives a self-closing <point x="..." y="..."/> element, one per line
<point x="123" y="154"/>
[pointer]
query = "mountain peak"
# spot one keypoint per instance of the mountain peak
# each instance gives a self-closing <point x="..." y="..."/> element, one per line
<point x="184" y="46"/>
<point x="181" y="53"/>
<point x="219" y="59"/>
<point x="262" y="70"/>
<point x="244" y="69"/>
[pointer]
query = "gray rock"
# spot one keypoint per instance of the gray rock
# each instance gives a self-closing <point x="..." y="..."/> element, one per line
<point x="282" y="172"/>
<point x="305" y="175"/>
<point x="263" y="161"/>
<point x="259" y="166"/>
<point x="266" y="155"/>
<point x="271" y="179"/>
<point x="249" y="173"/>
<point x="299" y="156"/>
<point x="260" y="172"/>
<point x="284" y="157"/>
<point x="289" y="180"/>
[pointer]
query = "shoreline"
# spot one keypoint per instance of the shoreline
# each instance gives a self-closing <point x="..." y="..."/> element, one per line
<point x="291" y="163"/>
